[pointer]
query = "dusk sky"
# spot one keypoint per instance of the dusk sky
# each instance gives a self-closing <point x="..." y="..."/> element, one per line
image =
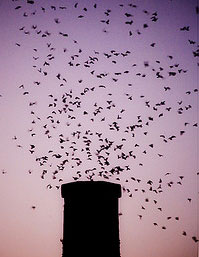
<point x="100" y="90"/>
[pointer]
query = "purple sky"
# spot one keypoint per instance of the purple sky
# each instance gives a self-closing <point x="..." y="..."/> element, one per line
<point x="123" y="76"/>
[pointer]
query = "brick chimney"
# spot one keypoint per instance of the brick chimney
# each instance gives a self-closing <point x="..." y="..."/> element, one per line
<point x="91" y="223"/>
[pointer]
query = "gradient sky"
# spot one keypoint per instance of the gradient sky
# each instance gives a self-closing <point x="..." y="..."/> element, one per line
<point x="114" y="65"/>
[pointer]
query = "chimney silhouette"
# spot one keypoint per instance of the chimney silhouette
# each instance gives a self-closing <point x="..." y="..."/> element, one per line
<point x="91" y="220"/>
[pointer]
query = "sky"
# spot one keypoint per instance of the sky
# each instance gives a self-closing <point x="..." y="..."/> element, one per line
<point x="99" y="90"/>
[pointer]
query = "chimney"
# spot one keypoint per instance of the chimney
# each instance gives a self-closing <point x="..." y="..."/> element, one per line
<point x="91" y="223"/>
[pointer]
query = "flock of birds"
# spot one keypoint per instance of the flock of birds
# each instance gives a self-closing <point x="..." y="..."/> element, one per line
<point x="82" y="128"/>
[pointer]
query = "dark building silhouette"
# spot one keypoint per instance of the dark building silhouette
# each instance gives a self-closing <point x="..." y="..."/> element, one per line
<point x="91" y="223"/>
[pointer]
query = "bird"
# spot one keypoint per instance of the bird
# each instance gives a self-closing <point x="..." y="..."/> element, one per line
<point x="195" y="239"/>
<point x="4" y="172"/>
<point x="18" y="7"/>
<point x="78" y="131"/>
<point x="185" y="28"/>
